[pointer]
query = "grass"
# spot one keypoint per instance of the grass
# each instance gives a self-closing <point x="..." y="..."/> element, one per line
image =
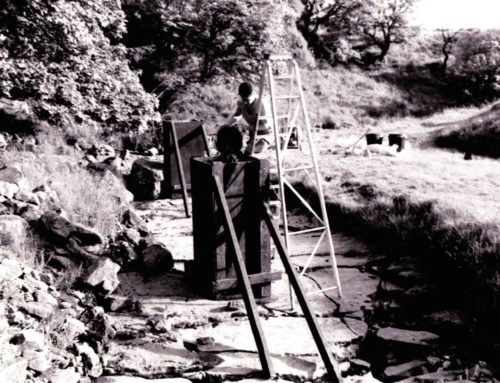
<point x="90" y="199"/>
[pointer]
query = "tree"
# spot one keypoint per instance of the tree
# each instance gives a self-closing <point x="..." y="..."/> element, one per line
<point x="383" y="23"/>
<point x="448" y="40"/>
<point x="323" y="23"/>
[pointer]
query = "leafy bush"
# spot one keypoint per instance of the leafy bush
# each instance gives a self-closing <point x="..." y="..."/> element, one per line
<point x="63" y="59"/>
<point x="476" y="70"/>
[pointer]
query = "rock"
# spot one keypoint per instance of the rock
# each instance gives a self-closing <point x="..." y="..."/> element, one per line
<point x="160" y="323"/>
<point x="10" y="269"/>
<point x="37" y="360"/>
<point x="30" y="340"/>
<point x="91" y="363"/>
<point x="102" y="151"/>
<point x="27" y="197"/>
<point x="403" y="370"/>
<point x="78" y="253"/>
<point x="12" y="231"/>
<point x="156" y="258"/>
<point x="419" y="338"/>
<point x="72" y="328"/>
<point x="367" y="378"/>
<point x="37" y="309"/>
<point x="149" y="359"/>
<point x="61" y="263"/>
<point x="145" y="179"/>
<point x="152" y="152"/>
<point x="15" y="372"/>
<point x="3" y="142"/>
<point x="132" y="236"/>
<point x="45" y="298"/>
<point x="8" y="189"/>
<point x="68" y="375"/>
<point x="117" y="303"/>
<point x="124" y="254"/>
<point x="103" y="274"/>
<point x="61" y="229"/>
<point x="359" y="367"/>
<point x="30" y="213"/>
<point x="131" y="219"/>
<point x="134" y="379"/>
<point x="11" y="175"/>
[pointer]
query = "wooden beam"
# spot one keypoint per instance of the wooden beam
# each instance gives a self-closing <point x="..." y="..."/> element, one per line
<point x="241" y="272"/>
<point x="255" y="279"/>
<point x="180" y="169"/>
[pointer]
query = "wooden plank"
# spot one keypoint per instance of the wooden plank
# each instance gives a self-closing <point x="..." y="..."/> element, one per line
<point x="248" y="297"/>
<point x="180" y="168"/>
<point x="330" y="364"/>
<point x="255" y="279"/>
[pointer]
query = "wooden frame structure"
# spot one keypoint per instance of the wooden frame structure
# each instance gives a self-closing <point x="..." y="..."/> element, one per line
<point x="182" y="139"/>
<point x="249" y="299"/>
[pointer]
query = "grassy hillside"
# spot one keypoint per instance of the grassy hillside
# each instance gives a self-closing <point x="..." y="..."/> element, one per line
<point x="479" y="134"/>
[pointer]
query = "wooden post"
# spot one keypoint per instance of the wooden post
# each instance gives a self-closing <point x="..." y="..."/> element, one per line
<point x="180" y="169"/>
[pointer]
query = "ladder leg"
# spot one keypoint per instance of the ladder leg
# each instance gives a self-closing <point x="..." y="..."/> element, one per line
<point x="180" y="169"/>
<point x="330" y="364"/>
<point x="241" y="271"/>
<point x="318" y="181"/>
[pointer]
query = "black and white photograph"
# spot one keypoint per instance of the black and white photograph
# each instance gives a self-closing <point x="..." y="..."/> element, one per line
<point x="249" y="191"/>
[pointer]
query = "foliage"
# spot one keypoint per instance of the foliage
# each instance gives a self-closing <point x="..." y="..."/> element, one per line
<point x="383" y="23"/>
<point x="476" y="70"/>
<point x="343" y="31"/>
<point x="63" y="59"/>
<point x="190" y="42"/>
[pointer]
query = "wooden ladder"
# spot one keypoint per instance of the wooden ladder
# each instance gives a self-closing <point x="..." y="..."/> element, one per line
<point x="285" y="123"/>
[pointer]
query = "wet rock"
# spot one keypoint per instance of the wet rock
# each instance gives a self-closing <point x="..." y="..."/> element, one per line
<point x="10" y="269"/>
<point x="12" y="231"/>
<point x="103" y="274"/>
<point x="91" y="363"/>
<point x="403" y="370"/>
<point x="156" y="258"/>
<point x="149" y="359"/>
<point x="68" y="375"/>
<point x="37" y="360"/>
<point x="145" y="179"/>
<point x="15" y="372"/>
<point x="419" y="338"/>
<point x="61" y="229"/>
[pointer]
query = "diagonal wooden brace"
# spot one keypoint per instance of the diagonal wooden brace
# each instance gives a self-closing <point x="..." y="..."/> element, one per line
<point x="241" y="272"/>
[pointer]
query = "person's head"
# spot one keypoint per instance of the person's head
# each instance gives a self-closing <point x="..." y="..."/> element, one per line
<point x="245" y="90"/>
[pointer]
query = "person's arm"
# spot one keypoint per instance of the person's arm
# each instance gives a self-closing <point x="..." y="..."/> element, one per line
<point x="233" y="119"/>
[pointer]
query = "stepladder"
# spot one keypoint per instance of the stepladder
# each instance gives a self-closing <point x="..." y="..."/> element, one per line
<point x="294" y="159"/>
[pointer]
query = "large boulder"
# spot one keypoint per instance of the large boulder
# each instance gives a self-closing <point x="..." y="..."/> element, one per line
<point x="145" y="179"/>
<point x="12" y="231"/>
<point x="157" y="259"/>
<point x="62" y="230"/>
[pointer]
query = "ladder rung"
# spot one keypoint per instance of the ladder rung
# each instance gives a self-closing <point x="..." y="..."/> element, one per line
<point x="288" y="77"/>
<point x="322" y="290"/>
<point x="299" y="168"/>
<point x="306" y="230"/>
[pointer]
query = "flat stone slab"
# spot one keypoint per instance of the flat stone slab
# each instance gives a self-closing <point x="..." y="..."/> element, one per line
<point x="284" y="335"/>
<point x="149" y="359"/>
<point x="241" y="364"/>
<point x="419" y="338"/>
<point x="303" y="244"/>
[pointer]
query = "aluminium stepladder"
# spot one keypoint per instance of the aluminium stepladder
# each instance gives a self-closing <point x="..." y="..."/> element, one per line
<point x="294" y="122"/>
